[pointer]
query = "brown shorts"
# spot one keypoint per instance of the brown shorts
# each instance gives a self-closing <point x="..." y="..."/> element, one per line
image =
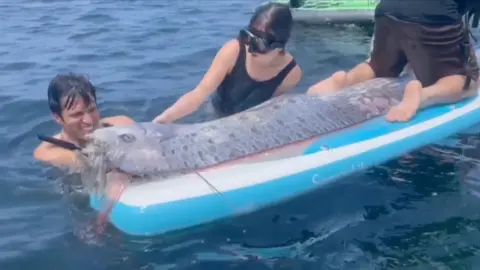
<point x="433" y="52"/>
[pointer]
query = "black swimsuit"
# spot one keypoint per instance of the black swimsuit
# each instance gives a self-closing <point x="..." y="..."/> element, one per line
<point x="238" y="91"/>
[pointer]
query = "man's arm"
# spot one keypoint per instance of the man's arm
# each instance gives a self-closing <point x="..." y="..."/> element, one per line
<point x="117" y="120"/>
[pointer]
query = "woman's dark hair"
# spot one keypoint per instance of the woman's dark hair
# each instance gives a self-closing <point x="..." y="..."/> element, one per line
<point x="274" y="19"/>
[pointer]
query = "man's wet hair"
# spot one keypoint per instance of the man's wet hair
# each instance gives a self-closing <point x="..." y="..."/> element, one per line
<point x="65" y="90"/>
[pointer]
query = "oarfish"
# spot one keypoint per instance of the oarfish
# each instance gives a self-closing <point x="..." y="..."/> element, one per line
<point x="154" y="149"/>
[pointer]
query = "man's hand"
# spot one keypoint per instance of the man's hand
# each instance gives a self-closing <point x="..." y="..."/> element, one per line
<point x="116" y="185"/>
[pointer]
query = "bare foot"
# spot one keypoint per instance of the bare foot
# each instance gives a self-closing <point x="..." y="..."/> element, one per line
<point x="330" y="85"/>
<point x="409" y="105"/>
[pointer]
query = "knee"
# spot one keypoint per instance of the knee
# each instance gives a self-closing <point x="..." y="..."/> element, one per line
<point x="337" y="78"/>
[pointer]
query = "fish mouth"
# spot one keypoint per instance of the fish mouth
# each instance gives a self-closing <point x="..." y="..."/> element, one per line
<point x="97" y="164"/>
<point x="107" y="152"/>
<point x="92" y="149"/>
<point x="94" y="165"/>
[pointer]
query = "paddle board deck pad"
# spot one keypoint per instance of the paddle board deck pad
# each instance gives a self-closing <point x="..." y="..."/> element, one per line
<point x="332" y="12"/>
<point x="280" y="149"/>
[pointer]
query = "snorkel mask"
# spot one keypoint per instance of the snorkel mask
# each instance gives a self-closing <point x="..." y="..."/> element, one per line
<point x="260" y="43"/>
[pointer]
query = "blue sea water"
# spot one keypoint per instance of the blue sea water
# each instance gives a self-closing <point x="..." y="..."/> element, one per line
<point x="416" y="212"/>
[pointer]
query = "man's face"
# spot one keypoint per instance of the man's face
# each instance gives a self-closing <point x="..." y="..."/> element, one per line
<point x="79" y="120"/>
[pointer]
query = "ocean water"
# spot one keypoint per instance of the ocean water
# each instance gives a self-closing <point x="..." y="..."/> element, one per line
<point x="416" y="212"/>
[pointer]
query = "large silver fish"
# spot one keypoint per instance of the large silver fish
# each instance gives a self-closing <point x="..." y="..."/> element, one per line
<point x="153" y="149"/>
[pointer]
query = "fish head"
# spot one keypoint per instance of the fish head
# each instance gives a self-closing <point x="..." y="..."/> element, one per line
<point x="136" y="149"/>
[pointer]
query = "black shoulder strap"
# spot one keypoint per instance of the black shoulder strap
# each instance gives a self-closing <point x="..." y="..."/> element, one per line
<point x="284" y="72"/>
<point x="240" y="61"/>
<point x="58" y="142"/>
<point x="65" y="144"/>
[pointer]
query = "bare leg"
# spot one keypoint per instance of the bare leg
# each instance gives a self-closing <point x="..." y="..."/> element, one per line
<point x="409" y="105"/>
<point x="341" y="79"/>
<point x="329" y="85"/>
<point x="446" y="90"/>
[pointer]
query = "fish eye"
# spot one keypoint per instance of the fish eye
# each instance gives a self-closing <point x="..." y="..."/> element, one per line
<point x="128" y="138"/>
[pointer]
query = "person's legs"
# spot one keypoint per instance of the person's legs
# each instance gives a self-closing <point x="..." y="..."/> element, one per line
<point x="386" y="60"/>
<point x="436" y="56"/>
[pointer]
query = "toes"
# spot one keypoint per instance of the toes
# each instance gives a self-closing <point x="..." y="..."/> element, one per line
<point x="399" y="114"/>
<point x="396" y="111"/>
<point x="392" y="115"/>
<point x="403" y="117"/>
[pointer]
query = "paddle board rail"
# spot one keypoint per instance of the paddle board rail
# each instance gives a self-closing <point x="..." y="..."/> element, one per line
<point x="187" y="200"/>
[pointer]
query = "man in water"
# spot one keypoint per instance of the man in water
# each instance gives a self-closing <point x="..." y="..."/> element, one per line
<point x="73" y="104"/>
<point x="430" y="36"/>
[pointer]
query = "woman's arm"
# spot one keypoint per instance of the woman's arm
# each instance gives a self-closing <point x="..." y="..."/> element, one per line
<point x="221" y="65"/>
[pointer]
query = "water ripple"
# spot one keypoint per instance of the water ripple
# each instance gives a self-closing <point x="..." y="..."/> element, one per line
<point x="143" y="55"/>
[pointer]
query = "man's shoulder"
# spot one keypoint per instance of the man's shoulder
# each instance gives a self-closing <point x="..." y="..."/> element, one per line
<point x="117" y="120"/>
<point x="46" y="145"/>
<point x="52" y="154"/>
